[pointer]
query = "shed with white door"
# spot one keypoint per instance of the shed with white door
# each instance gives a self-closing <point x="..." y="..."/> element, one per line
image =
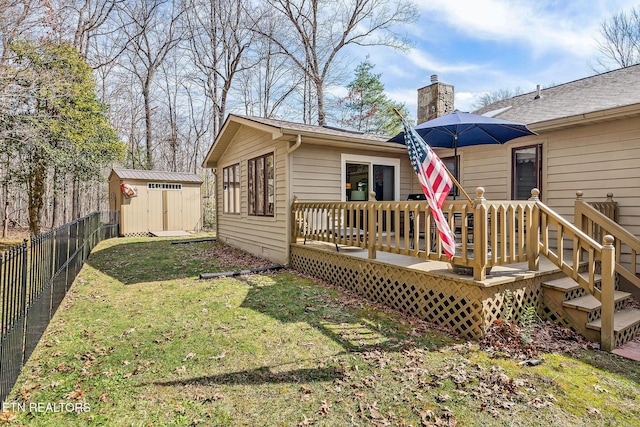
<point x="151" y="202"/>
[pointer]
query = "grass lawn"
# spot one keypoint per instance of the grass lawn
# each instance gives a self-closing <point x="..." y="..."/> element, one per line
<point x="141" y="341"/>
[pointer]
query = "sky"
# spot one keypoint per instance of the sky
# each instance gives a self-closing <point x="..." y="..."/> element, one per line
<point x="481" y="46"/>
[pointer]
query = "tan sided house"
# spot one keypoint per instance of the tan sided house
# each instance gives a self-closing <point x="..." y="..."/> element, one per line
<point x="262" y="164"/>
<point x="152" y="202"/>
<point x="533" y="229"/>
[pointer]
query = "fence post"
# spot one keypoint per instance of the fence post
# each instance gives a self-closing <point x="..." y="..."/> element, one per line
<point x="533" y="231"/>
<point x="607" y="340"/>
<point x="480" y="236"/>
<point x="23" y="309"/>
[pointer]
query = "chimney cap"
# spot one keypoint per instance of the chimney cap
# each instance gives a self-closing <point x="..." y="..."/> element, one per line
<point x="434" y="78"/>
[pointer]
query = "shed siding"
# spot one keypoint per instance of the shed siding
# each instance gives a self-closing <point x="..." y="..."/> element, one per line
<point x="262" y="236"/>
<point x="145" y="212"/>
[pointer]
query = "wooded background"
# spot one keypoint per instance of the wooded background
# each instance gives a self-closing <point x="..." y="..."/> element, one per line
<point x="86" y="85"/>
<point x="165" y="74"/>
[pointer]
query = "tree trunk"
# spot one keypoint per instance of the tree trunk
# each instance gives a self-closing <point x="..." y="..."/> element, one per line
<point x="322" y="120"/>
<point x="147" y="120"/>
<point x="76" y="198"/>
<point x="36" y="197"/>
<point x="55" y="215"/>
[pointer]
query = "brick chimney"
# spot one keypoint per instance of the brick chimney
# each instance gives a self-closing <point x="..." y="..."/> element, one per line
<point x="434" y="100"/>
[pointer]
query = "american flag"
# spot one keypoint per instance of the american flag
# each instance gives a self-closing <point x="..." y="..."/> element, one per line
<point x="435" y="182"/>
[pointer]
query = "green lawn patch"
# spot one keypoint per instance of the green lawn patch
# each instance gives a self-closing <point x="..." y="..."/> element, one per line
<point x="141" y="341"/>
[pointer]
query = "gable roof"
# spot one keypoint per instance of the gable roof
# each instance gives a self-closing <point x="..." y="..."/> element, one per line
<point x="153" y="175"/>
<point x="319" y="130"/>
<point x="290" y="131"/>
<point x="583" y="99"/>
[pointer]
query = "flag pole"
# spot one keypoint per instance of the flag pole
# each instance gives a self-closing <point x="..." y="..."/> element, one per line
<point x="453" y="178"/>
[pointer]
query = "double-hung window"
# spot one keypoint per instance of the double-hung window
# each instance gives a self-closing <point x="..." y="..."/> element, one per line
<point x="260" y="185"/>
<point x="231" y="189"/>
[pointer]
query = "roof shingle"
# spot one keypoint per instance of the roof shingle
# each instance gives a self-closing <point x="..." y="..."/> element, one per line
<point x="604" y="91"/>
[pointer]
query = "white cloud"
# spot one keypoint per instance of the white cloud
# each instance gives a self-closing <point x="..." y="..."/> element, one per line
<point x="542" y="25"/>
<point x="464" y="101"/>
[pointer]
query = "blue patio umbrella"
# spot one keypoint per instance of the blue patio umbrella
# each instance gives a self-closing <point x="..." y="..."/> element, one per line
<point x="459" y="129"/>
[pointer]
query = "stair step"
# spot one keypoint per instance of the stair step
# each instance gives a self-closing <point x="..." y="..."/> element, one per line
<point x="565" y="283"/>
<point x="589" y="302"/>
<point x="622" y="320"/>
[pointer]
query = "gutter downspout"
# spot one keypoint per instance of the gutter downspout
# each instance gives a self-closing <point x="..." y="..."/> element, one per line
<point x="296" y="145"/>
<point x="214" y="172"/>
<point x="290" y="150"/>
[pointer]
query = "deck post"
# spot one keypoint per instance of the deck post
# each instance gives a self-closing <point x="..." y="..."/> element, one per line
<point x="480" y="236"/>
<point x="371" y="233"/>
<point x="533" y="231"/>
<point x="294" y="220"/>
<point x="607" y="340"/>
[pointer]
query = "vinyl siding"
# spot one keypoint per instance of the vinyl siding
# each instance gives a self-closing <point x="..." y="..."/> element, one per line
<point x="262" y="236"/>
<point x="316" y="172"/>
<point x="596" y="160"/>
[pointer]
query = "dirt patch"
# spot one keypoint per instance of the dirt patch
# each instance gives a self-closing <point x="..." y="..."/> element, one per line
<point x="230" y="257"/>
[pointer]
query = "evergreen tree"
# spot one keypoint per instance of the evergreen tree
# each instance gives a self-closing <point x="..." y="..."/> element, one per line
<point x="367" y="108"/>
<point x="58" y="122"/>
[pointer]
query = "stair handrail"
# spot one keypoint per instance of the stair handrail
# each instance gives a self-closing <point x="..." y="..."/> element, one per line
<point x="586" y="215"/>
<point x="604" y="252"/>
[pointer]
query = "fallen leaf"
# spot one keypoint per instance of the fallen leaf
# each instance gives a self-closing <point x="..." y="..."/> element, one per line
<point x="324" y="408"/>
<point x="594" y="412"/>
<point x="306" y="421"/>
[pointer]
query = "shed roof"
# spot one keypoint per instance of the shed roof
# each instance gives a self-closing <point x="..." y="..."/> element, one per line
<point x="154" y="175"/>
<point x="606" y="91"/>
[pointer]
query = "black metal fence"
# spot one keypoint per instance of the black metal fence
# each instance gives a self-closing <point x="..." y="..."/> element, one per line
<point x="35" y="275"/>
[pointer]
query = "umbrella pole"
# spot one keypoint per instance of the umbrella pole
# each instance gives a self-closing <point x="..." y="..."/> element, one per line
<point x="455" y="159"/>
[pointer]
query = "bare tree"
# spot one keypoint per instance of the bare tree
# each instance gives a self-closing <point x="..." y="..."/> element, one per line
<point x="266" y="87"/>
<point x="220" y="35"/>
<point x="153" y="29"/>
<point x="489" y="98"/>
<point x="620" y="40"/>
<point x="319" y="30"/>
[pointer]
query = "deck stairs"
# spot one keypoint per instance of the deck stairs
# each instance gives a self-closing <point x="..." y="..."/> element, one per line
<point x="566" y="302"/>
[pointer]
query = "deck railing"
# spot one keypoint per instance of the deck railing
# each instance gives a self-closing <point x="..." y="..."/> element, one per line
<point x="407" y="228"/>
<point x="489" y="233"/>
<point x="600" y="219"/>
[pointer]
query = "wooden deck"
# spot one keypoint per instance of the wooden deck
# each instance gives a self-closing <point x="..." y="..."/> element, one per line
<point x="428" y="289"/>
<point x="499" y="274"/>
<point x="391" y="252"/>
